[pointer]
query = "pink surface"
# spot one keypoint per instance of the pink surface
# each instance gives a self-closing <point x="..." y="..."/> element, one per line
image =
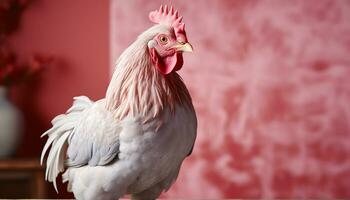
<point x="270" y="83"/>
<point x="269" y="80"/>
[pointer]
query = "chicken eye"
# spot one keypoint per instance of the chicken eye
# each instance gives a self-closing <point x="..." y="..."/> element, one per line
<point x="163" y="39"/>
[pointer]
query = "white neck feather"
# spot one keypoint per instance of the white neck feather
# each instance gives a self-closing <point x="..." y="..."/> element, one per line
<point x="138" y="89"/>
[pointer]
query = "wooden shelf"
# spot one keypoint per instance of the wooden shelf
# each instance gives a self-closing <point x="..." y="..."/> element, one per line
<point x="22" y="178"/>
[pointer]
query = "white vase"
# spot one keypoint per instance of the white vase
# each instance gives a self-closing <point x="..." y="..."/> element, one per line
<point x="10" y="126"/>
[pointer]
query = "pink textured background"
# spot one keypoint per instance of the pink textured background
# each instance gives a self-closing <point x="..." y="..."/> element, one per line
<point x="270" y="83"/>
<point x="269" y="80"/>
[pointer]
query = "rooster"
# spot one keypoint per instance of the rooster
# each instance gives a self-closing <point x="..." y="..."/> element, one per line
<point x="135" y="139"/>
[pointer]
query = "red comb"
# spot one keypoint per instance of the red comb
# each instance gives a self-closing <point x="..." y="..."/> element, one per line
<point x="171" y="18"/>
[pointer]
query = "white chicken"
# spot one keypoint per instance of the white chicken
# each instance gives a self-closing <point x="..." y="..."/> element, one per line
<point x="135" y="139"/>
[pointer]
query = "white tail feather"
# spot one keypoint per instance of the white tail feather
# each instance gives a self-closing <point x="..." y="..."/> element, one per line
<point x="62" y="129"/>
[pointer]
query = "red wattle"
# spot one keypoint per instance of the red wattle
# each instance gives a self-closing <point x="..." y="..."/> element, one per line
<point x="167" y="64"/>
<point x="180" y="62"/>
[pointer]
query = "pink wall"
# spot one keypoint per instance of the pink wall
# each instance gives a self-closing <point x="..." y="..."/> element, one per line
<point x="270" y="83"/>
<point x="76" y="33"/>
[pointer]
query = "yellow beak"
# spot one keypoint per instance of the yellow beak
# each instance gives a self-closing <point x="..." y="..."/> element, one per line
<point x="187" y="47"/>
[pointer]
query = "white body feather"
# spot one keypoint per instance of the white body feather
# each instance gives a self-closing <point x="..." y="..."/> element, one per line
<point x="149" y="159"/>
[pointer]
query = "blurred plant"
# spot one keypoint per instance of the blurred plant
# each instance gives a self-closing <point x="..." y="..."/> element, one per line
<point x="12" y="72"/>
<point x="10" y="14"/>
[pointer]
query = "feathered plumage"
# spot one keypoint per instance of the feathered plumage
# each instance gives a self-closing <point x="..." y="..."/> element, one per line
<point x="134" y="140"/>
